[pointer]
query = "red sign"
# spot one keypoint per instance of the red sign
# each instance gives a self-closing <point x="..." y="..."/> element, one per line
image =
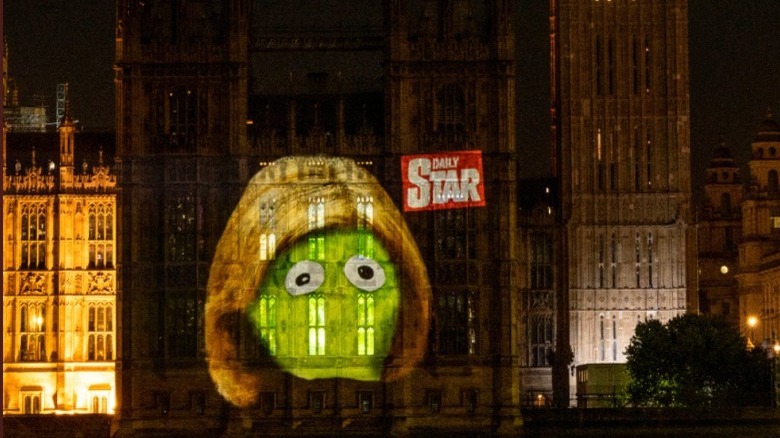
<point x="443" y="180"/>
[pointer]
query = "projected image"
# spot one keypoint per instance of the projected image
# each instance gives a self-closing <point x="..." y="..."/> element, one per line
<point x="341" y="302"/>
<point x="318" y="262"/>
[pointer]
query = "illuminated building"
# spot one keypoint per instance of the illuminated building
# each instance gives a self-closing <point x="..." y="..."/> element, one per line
<point x="719" y="224"/>
<point x="202" y="105"/>
<point x="621" y="130"/>
<point x="759" y="277"/>
<point x="59" y="280"/>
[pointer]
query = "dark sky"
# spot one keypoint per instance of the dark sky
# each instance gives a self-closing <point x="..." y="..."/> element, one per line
<point x="734" y="59"/>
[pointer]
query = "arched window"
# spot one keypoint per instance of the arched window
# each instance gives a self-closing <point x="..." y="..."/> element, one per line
<point x="365" y="322"/>
<point x="316" y="324"/>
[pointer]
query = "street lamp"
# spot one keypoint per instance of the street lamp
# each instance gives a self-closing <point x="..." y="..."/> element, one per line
<point x="752" y="321"/>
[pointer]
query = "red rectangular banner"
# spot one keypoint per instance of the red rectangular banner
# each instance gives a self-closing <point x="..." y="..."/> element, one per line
<point x="443" y="180"/>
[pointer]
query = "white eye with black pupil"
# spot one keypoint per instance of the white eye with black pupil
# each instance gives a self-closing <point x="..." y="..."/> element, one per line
<point x="304" y="278"/>
<point x="365" y="274"/>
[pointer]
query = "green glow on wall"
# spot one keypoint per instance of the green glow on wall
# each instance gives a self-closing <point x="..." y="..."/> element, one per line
<point x="329" y="312"/>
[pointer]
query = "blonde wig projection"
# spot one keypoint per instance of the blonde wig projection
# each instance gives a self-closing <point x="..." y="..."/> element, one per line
<point x="238" y="269"/>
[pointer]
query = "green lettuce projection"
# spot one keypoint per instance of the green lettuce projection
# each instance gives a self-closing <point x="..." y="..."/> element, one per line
<point x="317" y="269"/>
<point x="344" y="305"/>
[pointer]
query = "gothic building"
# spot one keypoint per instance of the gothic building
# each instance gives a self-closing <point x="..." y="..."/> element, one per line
<point x="59" y="278"/>
<point x="203" y="104"/>
<point x="621" y="126"/>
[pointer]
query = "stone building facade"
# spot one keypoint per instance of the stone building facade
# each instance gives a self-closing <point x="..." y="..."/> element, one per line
<point x="199" y="113"/>
<point x="59" y="280"/>
<point x="621" y="125"/>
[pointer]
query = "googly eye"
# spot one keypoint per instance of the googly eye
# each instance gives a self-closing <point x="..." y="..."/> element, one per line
<point x="365" y="274"/>
<point x="304" y="278"/>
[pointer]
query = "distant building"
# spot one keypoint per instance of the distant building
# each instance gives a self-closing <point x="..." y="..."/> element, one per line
<point x="17" y="117"/>
<point x="719" y="223"/>
<point x="59" y="275"/>
<point x="759" y="248"/>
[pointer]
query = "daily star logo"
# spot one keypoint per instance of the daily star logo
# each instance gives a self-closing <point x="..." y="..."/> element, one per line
<point x="444" y="180"/>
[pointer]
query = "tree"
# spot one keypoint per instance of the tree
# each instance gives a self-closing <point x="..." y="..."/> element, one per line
<point x="695" y="360"/>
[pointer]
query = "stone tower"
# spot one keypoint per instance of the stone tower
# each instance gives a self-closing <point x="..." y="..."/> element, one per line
<point x="181" y="93"/>
<point x="450" y="85"/>
<point x="620" y="107"/>
<point x="719" y="224"/>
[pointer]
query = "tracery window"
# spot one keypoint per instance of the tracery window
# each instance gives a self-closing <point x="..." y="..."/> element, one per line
<point x="100" y="332"/>
<point x="365" y="223"/>
<point x="268" y="225"/>
<point x="455" y="234"/>
<point x="316" y="225"/>
<point x="266" y="324"/>
<point x="33" y="236"/>
<point x="456" y="320"/>
<point x="32" y="328"/>
<point x="100" y="236"/>
<point x="316" y="324"/>
<point x="183" y="217"/>
<point x="182" y="118"/>
<point x="185" y="326"/>
<point x="365" y="324"/>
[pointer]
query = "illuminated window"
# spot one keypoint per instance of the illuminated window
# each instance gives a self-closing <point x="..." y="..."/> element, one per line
<point x="316" y="324"/>
<point x="183" y="225"/>
<point x="541" y="339"/>
<point x="267" y="322"/>
<point x="99" y="404"/>
<point x="457" y="322"/>
<point x="365" y="221"/>
<point x="268" y="225"/>
<point x="100" y="236"/>
<point x="614" y="338"/>
<point x="32" y="327"/>
<point x="100" y="333"/>
<point x="316" y="225"/>
<point x="31" y="401"/>
<point x="365" y="324"/>
<point x="33" y="236"/>
<point x="450" y="106"/>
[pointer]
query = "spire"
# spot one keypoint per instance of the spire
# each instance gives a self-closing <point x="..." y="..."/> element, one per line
<point x="67" y="131"/>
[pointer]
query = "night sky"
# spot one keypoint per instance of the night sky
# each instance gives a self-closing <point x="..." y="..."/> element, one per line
<point x="734" y="60"/>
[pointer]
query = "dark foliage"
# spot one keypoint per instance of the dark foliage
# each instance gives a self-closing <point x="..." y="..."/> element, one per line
<point x="695" y="360"/>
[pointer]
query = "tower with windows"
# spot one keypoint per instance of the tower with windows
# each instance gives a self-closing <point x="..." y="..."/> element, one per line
<point x="181" y="116"/>
<point x="759" y="283"/>
<point x="719" y="229"/>
<point x="621" y="127"/>
<point x="59" y="282"/>
<point x="449" y="85"/>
